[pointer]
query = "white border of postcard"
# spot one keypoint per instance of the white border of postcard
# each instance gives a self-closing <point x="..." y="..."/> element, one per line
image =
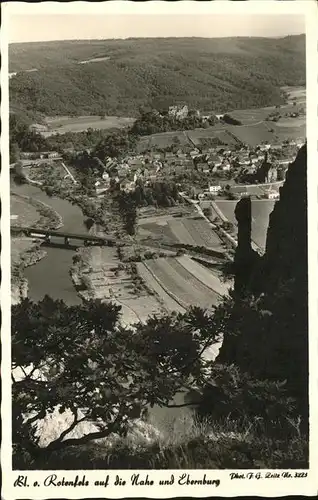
<point x="286" y="484"/>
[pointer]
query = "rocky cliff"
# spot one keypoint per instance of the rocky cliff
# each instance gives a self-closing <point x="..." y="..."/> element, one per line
<point x="269" y="337"/>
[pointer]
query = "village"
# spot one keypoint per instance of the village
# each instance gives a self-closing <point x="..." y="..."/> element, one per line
<point x="201" y="172"/>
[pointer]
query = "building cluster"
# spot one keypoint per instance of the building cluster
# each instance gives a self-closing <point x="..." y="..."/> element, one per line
<point x="179" y="112"/>
<point x="39" y="155"/>
<point x="218" y="169"/>
<point x="221" y="165"/>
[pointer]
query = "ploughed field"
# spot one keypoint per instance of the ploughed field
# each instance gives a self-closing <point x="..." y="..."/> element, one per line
<point x="181" y="282"/>
<point x="193" y="231"/>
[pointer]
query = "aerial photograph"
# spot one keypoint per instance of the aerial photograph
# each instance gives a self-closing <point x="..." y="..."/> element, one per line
<point x="158" y="218"/>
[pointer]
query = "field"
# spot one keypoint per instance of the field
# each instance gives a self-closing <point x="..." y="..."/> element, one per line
<point x="261" y="210"/>
<point x="253" y="134"/>
<point x="167" y="139"/>
<point x="63" y="124"/>
<point x="218" y="133"/>
<point x="167" y="301"/>
<point x="103" y="280"/>
<point x="252" y="116"/>
<point x="192" y="138"/>
<point x="188" y="230"/>
<point x="253" y="131"/>
<point x="25" y="213"/>
<point x="293" y="128"/>
<point x="184" y="284"/>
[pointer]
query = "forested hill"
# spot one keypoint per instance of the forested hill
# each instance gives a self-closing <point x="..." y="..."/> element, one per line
<point x="210" y="74"/>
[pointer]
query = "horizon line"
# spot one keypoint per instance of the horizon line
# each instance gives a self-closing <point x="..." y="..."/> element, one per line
<point x="155" y="37"/>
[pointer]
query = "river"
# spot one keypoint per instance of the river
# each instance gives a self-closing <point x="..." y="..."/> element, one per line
<point x="51" y="275"/>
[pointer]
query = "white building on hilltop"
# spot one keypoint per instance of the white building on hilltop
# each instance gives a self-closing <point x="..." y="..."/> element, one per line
<point x="178" y="111"/>
<point x="214" y="189"/>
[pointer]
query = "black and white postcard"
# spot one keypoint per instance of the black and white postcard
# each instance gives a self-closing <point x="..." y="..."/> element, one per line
<point x="159" y="258"/>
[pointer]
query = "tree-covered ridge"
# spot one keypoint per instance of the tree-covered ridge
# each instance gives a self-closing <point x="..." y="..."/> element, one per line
<point x="217" y="74"/>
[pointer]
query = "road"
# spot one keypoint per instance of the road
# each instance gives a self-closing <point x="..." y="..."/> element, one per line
<point x="68" y="173"/>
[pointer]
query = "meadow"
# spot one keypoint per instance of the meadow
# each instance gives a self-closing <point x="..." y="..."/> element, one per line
<point x="63" y="124"/>
<point x="187" y="230"/>
<point x="182" y="284"/>
<point x="253" y="135"/>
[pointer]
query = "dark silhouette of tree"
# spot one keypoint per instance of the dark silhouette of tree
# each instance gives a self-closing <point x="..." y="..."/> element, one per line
<point x="231" y="120"/>
<point x="128" y="210"/>
<point x="24" y="138"/>
<point x="80" y="359"/>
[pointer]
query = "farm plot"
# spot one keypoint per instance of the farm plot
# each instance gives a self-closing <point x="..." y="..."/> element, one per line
<point x="167" y="302"/>
<point x="157" y="230"/>
<point x="167" y="139"/>
<point x="64" y="124"/>
<point x="216" y="134"/>
<point x="182" y="285"/>
<point x="253" y="134"/>
<point x="181" y="232"/>
<point x="47" y="172"/>
<point x="204" y="275"/>
<point x="252" y="116"/>
<point x="22" y="212"/>
<point x="227" y="208"/>
<point x="297" y="122"/>
<point x="106" y="281"/>
<point x="186" y="230"/>
<point x="296" y="130"/>
<point x="201" y="233"/>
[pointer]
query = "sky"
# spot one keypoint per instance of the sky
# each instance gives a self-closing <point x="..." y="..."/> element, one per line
<point x="44" y="27"/>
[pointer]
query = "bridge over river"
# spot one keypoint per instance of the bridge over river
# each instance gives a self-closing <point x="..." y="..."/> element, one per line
<point x="47" y="234"/>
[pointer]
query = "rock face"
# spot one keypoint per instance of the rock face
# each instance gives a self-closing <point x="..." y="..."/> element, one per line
<point x="271" y="340"/>
<point x="245" y="257"/>
<point x="286" y="245"/>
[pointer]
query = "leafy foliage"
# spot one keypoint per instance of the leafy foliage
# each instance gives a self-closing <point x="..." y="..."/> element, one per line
<point x="230" y="120"/>
<point x="218" y="74"/>
<point x="234" y="394"/>
<point x="80" y="358"/>
<point x="115" y="145"/>
<point x="128" y="210"/>
<point x="22" y="138"/>
<point x="158" y="193"/>
<point x="152" y="122"/>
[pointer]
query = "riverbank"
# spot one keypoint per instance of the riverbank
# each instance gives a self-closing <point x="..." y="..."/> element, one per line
<point x="26" y="252"/>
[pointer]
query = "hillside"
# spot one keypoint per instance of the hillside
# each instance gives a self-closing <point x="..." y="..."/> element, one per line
<point x="218" y="74"/>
